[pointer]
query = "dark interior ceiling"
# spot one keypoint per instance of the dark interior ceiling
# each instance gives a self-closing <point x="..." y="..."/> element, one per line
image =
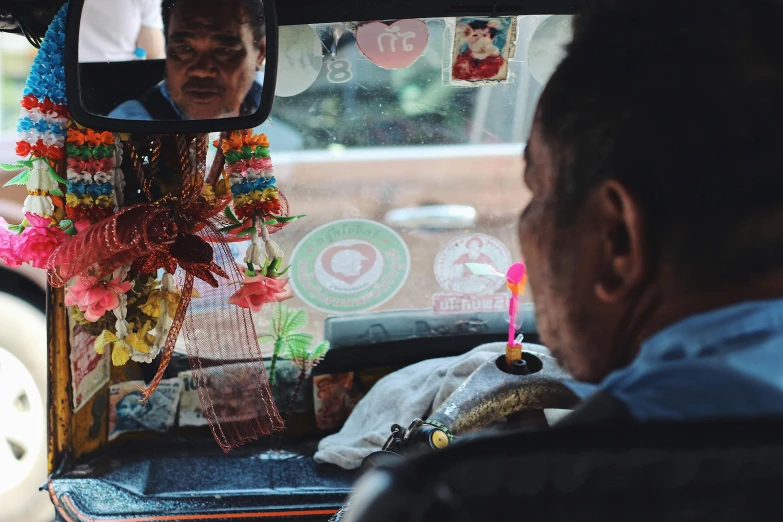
<point x="35" y="15"/>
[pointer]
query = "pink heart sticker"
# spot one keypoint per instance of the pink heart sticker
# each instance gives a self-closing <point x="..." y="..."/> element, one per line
<point x="393" y="46"/>
<point x="349" y="263"/>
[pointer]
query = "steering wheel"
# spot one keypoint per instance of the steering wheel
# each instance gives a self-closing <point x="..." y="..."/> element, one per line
<point x="494" y="392"/>
<point x="491" y="393"/>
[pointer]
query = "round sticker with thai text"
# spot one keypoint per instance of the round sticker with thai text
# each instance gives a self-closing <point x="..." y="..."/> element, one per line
<point x="455" y="277"/>
<point x="350" y="265"/>
<point x="299" y="60"/>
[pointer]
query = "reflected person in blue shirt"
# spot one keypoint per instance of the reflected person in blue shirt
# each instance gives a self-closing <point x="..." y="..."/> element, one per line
<point x="654" y="236"/>
<point x="214" y="52"/>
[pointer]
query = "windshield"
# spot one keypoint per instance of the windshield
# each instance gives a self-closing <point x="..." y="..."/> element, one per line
<point x="404" y="177"/>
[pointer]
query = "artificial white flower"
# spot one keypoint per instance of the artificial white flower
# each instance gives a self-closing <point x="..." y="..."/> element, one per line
<point x="102" y="177"/>
<point x="35" y="114"/>
<point x="39" y="205"/>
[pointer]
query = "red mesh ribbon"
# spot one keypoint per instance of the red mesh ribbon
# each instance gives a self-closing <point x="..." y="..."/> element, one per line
<point x="216" y="331"/>
<point x="182" y="232"/>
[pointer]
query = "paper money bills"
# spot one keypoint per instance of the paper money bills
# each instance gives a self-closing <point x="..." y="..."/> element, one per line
<point x="190" y="413"/>
<point x="127" y="414"/>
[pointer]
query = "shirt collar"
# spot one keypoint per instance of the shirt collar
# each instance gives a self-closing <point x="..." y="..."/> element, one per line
<point x="164" y="90"/>
<point x="688" y="337"/>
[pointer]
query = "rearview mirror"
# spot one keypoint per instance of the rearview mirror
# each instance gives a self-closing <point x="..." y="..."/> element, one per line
<point x="178" y="66"/>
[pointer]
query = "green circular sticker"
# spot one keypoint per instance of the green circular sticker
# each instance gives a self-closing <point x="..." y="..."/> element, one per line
<point x="350" y="265"/>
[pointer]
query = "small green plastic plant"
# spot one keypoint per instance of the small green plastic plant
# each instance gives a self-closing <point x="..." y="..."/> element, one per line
<point x="305" y="360"/>
<point x="286" y="335"/>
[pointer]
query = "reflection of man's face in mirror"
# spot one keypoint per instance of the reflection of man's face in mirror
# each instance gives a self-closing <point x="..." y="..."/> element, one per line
<point x="213" y="53"/>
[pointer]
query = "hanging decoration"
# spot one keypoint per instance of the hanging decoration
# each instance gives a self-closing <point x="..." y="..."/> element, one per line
<point x="130" y="272"/>
<point x="516" y="280"/>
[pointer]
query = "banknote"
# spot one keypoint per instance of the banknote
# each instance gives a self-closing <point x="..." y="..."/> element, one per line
<point x="190" y="413"/>
<point x="236" y="392"/>
<point x="127" y="414"/>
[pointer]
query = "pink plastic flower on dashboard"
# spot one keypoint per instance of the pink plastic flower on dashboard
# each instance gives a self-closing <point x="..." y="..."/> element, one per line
<point x="39" y="239"/>
<point x="94" y="297"/>
<point x="8" y="241"/>
<point x="259" y="290"/>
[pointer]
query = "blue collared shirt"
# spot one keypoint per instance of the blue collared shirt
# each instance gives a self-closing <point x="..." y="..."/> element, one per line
<point x="719" y="364"/>
<point x="134" y="110"/>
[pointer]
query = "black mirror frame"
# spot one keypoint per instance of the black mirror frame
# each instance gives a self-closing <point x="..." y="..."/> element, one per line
<point x="82" y="117"/>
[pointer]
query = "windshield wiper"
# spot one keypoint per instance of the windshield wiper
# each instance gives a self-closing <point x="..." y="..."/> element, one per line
<point x="402" y="337"/>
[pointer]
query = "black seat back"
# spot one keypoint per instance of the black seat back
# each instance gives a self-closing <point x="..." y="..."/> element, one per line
<point x="104" y="86"/>
<point x="663" y="472"/>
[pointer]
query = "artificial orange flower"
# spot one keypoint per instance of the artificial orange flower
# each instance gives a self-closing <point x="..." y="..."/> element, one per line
<point x="55" y="152"/>
<point x="29" y="102"/>
<point x="252" y="139"/>
<point x="46" y="106"/>
<point x="23" y="148"/>
<point x="76" y="137"/>
<point x="233" y="143"/>
<point x="107" y="138"/>
<point x="263" y="140"/>
<point x="92" y="137"/>
<point x="40" y="150"/>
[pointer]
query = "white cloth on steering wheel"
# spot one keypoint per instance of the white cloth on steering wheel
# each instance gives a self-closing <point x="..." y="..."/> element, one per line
<point x="399" y="398"/>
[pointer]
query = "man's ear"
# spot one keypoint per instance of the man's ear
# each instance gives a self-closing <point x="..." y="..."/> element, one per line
<point x="623" y="242"/>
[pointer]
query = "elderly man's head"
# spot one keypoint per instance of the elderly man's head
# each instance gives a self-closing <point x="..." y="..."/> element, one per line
<point x="656" y="174"/>
<point x="213" y="52"/>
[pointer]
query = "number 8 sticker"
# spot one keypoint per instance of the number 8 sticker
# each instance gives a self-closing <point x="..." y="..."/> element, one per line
<point x="339" y="71"/>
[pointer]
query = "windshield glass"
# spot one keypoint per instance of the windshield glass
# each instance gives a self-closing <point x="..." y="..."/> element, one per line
<point x="416" y="175"/>
<point x="405" y="174"/>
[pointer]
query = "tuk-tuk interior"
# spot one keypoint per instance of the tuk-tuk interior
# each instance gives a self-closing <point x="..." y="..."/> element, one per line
<point x="433" y="161"/>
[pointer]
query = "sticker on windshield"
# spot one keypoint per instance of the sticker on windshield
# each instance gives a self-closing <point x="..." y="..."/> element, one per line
<point x="300" y="58"/>
<point x="482" y="48"/>
<point x="465" y="291"/>
<point x="393" y="46"/>
<point x="349" y="265"/>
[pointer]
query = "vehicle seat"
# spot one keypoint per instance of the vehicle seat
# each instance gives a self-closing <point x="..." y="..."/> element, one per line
<point x="106" y="85"/>
<point x="708" y="471"/>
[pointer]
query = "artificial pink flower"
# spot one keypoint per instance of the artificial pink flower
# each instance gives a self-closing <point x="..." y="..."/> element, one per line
<point x="236" y="168"/>
<point x="260" y="163"/>
<point x="94" y="297"/>
<point x="8" y="241"/>
<point x="76" y="164"/>
<point x="92" y="166"/>
<point x="257" y="291"/>
<point x="81" y="224"/>
<point x="107" y="164"/>
<point x="39" y="239"/>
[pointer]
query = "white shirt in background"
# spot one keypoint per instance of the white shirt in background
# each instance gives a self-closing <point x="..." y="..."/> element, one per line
<point x="109" y="29"/>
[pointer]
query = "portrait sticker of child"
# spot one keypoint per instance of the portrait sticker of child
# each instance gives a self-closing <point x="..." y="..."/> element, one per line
<point x="482" y="48"/>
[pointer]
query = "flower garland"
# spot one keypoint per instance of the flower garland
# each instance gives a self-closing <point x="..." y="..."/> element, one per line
<point x="42" y="130"/>
<point x="256" y="205"/>
<point x="92" y="166"/>
<point x="107" y="256"/>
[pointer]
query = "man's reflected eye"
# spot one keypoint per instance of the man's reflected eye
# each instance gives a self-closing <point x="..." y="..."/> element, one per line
<point x="226" y="52"/>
